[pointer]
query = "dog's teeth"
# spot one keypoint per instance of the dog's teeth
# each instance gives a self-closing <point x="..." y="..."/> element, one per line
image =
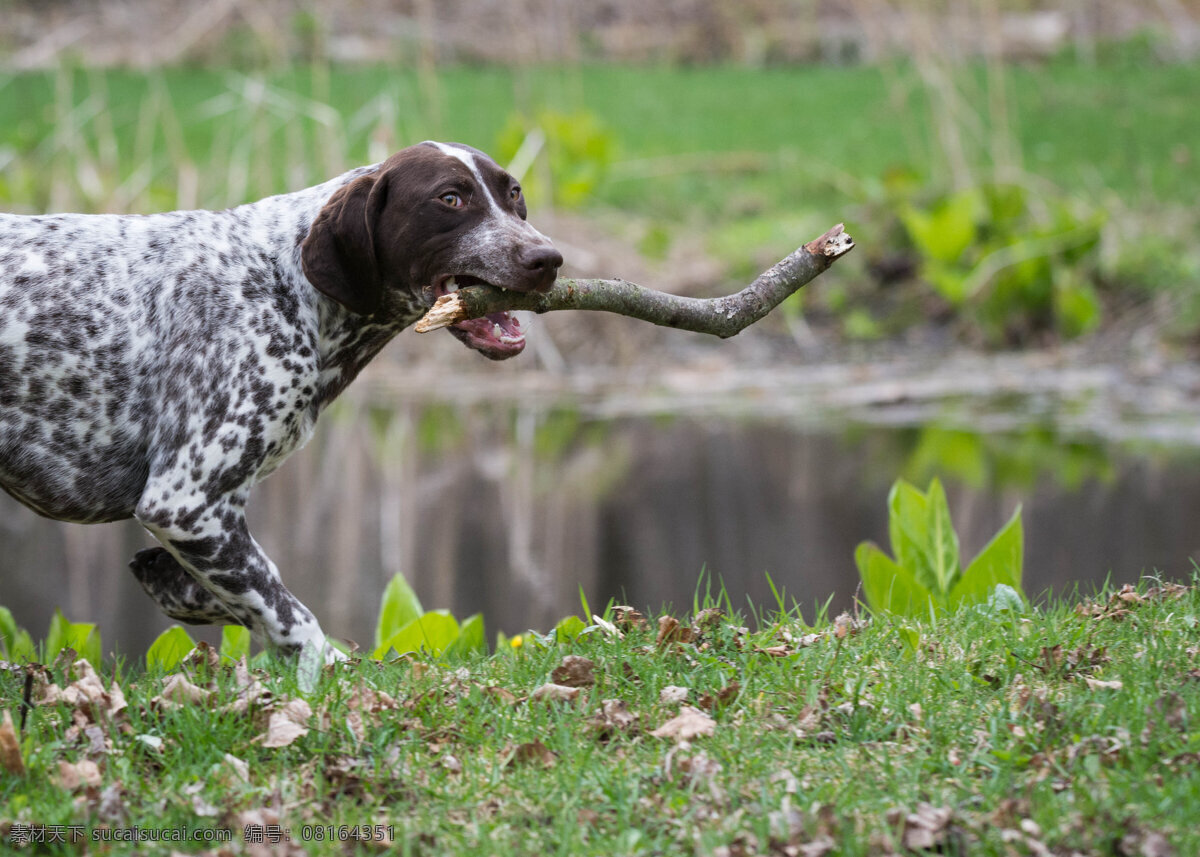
<point x="451" y="285"/>
<point x="497" y="330"/>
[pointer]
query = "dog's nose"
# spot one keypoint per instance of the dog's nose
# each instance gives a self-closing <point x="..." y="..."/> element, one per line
<point x="543" y="259"/>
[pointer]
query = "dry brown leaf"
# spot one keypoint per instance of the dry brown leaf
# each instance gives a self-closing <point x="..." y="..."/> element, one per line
<point x="451" y="763"/>
<point x="281" y="731"/>
<point x="614" y="717"/>
<point x="353" y="719"/>
<point x="71" y="777"/>
<point x="807" y="721"/>
<point x="554" y="693"/>
<point x="574" y="671"/>
<point x="926" y="828"/>
<point x="672" y="694"/>
<point x="86" y="693"/>
<point x="202" y="660"/>
<point x="371" y="700"/>
<point x="708" y="618"/>
<point x="10" y="748"/>
<point x="818" y="847"/>
<point x="251" y="691"/>
<point x="1097" y="684"/>
<point x="670" y="631"/>
<point x="177" y="690"/>
<point x="688" y="724"/>
<point x="628" y="619"/>
<point x="238" y="766"/>
<point x="781" y="650"/>
<point x="500" y="694"/>
<point x="287" y="723"/>
<point x="724" y="696"/>
<point x="532" y="752"/>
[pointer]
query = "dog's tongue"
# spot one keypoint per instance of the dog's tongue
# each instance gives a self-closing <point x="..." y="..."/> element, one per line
<point x="497" y="335"/>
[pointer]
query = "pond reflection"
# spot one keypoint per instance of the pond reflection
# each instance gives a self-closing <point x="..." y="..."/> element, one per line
<point x="509" y="509"/>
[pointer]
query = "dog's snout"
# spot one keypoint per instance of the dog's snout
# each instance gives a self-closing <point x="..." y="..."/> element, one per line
<point x="543" y="259"/>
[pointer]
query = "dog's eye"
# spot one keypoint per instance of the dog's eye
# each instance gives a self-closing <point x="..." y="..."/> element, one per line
<point x="515" y="193"/>
<point x="452" y="199"/>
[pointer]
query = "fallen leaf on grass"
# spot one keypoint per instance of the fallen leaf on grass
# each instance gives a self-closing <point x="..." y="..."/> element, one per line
<point x="699" y="770"/>
<point x="531" y="752"/>
<point x="708" y="618"/>
<point x="500" y="694"/>
<point x="926" y="828"/>
<point x="202" y="660"/>
<point x="86" y="693"/>
<point x="451" y="763"/>
<point x="1097" y="684"/>
<point x="614" y="717"/>
<point x="286" y="724"/>
<point x="73" y="776"/>
<point x="672" y="694"/>
<point x="690" y="723"/>
<point x="574" y="671"/>
<point x="671" y="631"/>
<point x="628" y="619"/>
<point x="721" y="698"/>
<point x="177" y="690"/>
<point x="781" y="650"/>
<point x="281" y="731"/>
<point x="10" y="747"/>
<point x="238" y="766"/>
<point x="554" y="693"/>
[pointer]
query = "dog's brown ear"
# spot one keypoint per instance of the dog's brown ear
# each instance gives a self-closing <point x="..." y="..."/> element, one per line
<point x="338" y="255"/>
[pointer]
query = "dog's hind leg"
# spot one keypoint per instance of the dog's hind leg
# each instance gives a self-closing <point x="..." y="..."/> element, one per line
<point x="176" y="591"/>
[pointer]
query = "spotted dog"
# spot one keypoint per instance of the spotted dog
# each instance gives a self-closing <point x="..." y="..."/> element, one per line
<point x="157" y="367"/>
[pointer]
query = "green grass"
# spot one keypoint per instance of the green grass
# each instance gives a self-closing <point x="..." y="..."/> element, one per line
<point x="1009" y="724"/>
<point x="816" y="132"/>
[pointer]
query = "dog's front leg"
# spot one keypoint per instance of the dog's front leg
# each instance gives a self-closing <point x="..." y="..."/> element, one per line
<point x="214" y="546"/>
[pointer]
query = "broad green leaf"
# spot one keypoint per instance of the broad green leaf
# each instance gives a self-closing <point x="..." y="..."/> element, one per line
<point x="15" y="643"/>
<point x="569" y="628"/>
<point x="471" y="640"/>
<point x="8" y="630"/>
<point x="235" y="642"/>
<point x="22" y="647"/>
<point x="432" y="632"/>
<point x="80" y="636"/>
<point x="399" y="607"/>
<point x="169" y="649"/>
<point x="1076" y="306"/>
<point x="1000" y="562"/>
<point x="945" y="231"/>
<point x="911" y="638"/>
<point x="908" y="523"/>
<point x="951" y="282"/>
<point x="888" y="586"/>
<point x="1005" y="599"/>
<point x="942" y="548"/>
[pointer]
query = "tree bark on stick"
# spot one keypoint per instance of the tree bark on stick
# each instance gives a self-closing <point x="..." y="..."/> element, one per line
<point x="723" y="316"/>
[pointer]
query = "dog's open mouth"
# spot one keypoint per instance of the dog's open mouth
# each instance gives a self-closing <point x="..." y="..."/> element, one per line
<point x="497" y="335"/>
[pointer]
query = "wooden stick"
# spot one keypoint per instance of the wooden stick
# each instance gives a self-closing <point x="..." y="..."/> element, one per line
<point x="723" y="317"/>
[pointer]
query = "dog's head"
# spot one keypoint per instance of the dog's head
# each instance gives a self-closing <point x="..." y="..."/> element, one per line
<point x="433" y="218"/>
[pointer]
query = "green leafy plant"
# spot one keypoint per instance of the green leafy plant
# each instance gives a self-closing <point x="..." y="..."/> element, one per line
<point x="1021" y="264"/>
<point x="579" y="148"/>
<point x="174" y="644"/>
<point x="404" y="626"/>
<point x="925" y="572"/>
<point x="82" y="637"/>
<point x="15" y="642"/>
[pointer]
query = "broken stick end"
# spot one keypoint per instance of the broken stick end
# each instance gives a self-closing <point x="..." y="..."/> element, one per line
<point x="834" y="243"/>
<point x="445" y="311"/>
